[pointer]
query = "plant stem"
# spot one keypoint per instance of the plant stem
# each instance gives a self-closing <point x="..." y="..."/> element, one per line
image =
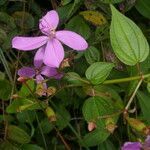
<point x="126" y="79"/>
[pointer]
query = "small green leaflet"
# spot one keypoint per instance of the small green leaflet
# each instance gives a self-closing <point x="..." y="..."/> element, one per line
<point x="127" y="39"/>
<point x="98" y="72"/>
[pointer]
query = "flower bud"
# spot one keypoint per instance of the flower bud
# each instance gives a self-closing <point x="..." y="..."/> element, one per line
<point x="91" y="126"/>
<point x="22" y="79"/>
<point x="110" y="125"/>
<point x="50" y="114"/>
<point x="137" y="125"/>
<point x="51" y="90"/>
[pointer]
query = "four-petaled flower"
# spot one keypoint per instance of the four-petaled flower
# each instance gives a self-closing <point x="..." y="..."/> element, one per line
<point x="38" y="70"/>
<point x="50" y="43"/>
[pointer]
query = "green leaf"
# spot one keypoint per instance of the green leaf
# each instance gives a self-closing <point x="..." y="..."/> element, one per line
<point x="74" y="78"/>
<point x="65" y="2"/>
<point x="46" y="126"/>
<point x="25" y="90"/>
<point x="95" y="137"/>
<point x="63" y="117"/>
<point x="111" y="1"/>
<point x="95" y="17"/>
<point x="23" y="104"/>
<point x="5" y="64"/>
<point x="143" y="6"/>
<point x="127" y="39"/>
<point x="92" y="55"/>
<point x="5" y="145"/>
<point x="28" y="21"/>
<point x="5" y="89"/>
<point x="26" y="116"/>
<point x="3" y="2"/>
<point x="98" y="72"/>
<point x="18" y="135"/>
<point x="31" y="147"/>
<point x="107" y="145"/>
<point x="148" y="87"/>
<point x="144" y="104"/>
<point x="78" y="25"/>
<point x="95" y="107"/>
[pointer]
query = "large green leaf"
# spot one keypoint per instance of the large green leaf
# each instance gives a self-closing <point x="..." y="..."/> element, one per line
<point x="98" y="72"/>
<point x="18" y="135"/>
<point x="127" y="40"/>
<point x="143" y="6"/>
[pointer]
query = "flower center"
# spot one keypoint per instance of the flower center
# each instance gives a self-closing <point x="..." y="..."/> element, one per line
<point x="37" y="71"/>
<point x="52" y="33"/>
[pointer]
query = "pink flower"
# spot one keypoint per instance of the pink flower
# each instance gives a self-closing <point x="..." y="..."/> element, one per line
<point x="137" y="145"/>
<point x="132" y="146"/>
<point x="50" y="42"/>
<point x="39" y="70"/>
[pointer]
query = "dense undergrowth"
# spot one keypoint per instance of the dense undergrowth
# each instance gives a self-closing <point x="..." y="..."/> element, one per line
<point x="96" y="95"/>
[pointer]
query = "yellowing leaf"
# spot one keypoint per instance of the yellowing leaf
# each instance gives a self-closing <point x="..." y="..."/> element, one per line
<point x="95" y="17"/>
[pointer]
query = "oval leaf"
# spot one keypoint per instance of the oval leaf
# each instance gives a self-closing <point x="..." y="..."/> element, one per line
<point x="92" y="55"/>
<point x="94" y="138"/>
<point x="95" y="17"/>
<point x="127" y="40"/>
<point x="95" y="107"/>
<point x="98" y="72"/>
<point x="143" y="6"/>
<point x="18" y="135"/>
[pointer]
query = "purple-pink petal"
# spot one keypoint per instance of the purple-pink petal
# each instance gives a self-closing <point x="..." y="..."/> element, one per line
<point x="51" y="72"/>
<point x="26" y="72"/>
<point x="38" y="58"/>
<point x="54" y="53"/>
<point x="28" y="43"/>
<point x="39" y="78"/>
<point x="72" y="39"/>
<point x="49" y="22"/>
<point x="131" y="146"/>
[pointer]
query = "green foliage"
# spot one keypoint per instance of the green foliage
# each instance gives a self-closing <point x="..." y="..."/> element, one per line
<point x="78" y="25"/>
<point x="98" y="72"/>
<point x="86" y="108"/>
<point x="95" y="138"/>
<point x="127" y="40"/>
<point x="18" y="135"/>
<point x="143" y="7"/>
<point x="5" y="89"/>
<point x="92" y="55"/>
<point x="144" y="104"/>
<point x="111" y="1"/>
